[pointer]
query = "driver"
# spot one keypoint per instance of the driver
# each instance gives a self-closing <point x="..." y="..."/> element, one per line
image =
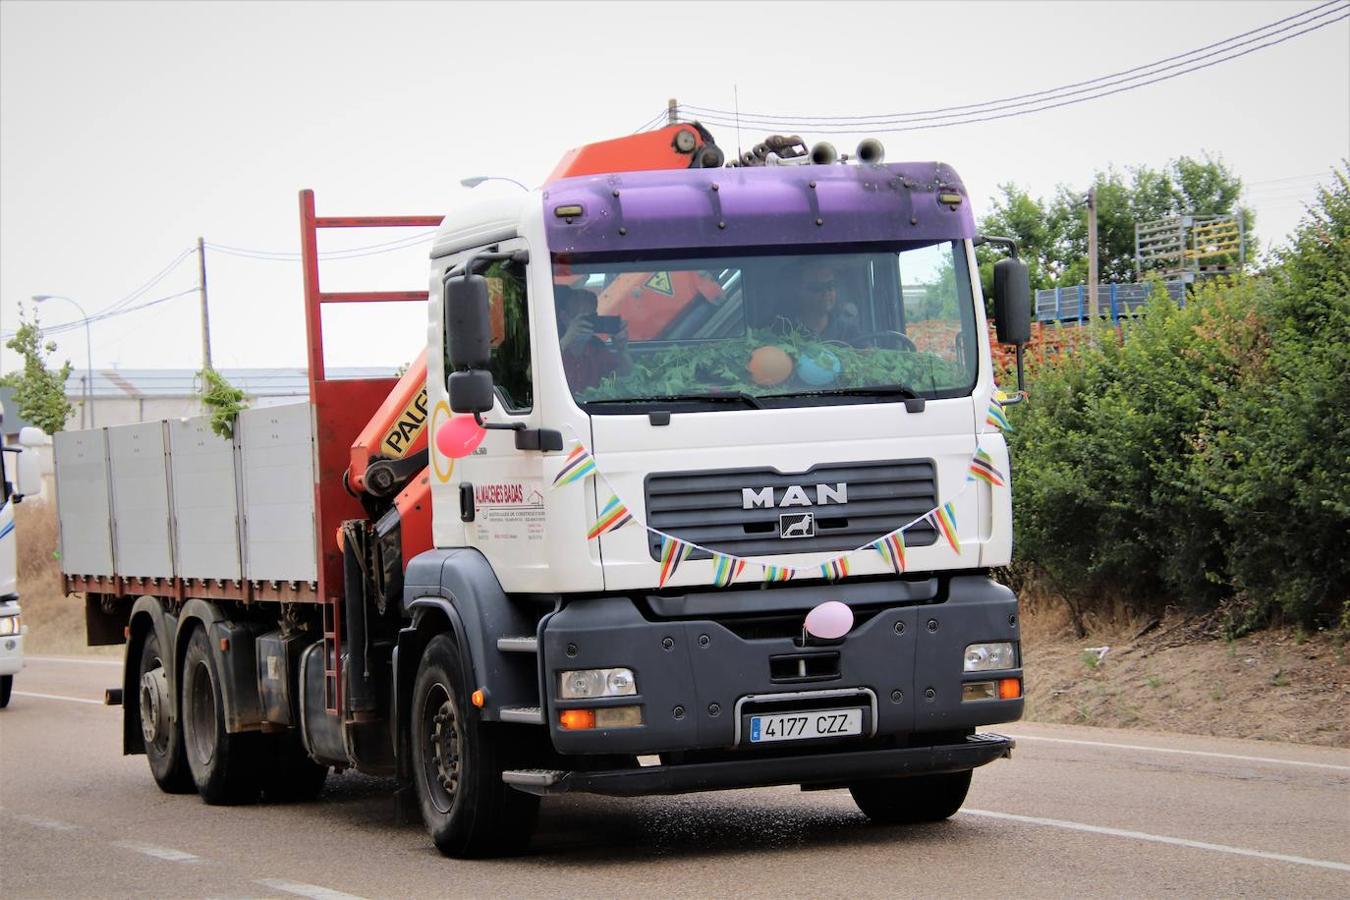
<point x="587" y="360"/>
<point x="819" y="309"/>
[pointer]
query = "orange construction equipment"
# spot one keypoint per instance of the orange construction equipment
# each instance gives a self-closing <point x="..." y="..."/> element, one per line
<point x="687" y="146"/>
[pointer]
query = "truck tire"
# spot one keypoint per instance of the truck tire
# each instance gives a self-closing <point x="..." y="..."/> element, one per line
<point x="164" y="735"/>
<point x="225" y="767"/>
<point x="458" y="763"/>
<point x="909" y="801"/>
<point x="6" y="688"/>
<point x="290" y="776"/>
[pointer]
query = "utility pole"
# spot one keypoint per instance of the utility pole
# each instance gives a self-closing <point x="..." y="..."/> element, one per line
<point x="1092" y="253"/>
<point x="206" y="319"/>
<point x="672" y="111"/>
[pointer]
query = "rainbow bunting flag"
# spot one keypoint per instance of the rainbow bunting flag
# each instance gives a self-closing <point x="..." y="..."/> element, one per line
<point x="778" y="573"/>
<point x="613" y="517"/>
<point x="835" y="569"/>
<point x="996" y="416"/>
<point x="892" y="549"/>
<point x="673" y="552"/>
<point x="982" y="467"/>
<point x="944" y="520"/>
<point x="578" y="465"/>
<point x="726" y="569"/>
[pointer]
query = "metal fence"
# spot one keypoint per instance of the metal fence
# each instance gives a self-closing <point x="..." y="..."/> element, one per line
<point x="1070" y="304"/>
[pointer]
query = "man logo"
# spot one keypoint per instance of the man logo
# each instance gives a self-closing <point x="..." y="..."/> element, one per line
<point x="793" y="495"/>
<point x="797" y="525"/>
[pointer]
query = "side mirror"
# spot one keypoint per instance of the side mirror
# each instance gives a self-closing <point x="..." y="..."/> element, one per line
<point x="468" y="321"/>
<point x="28" y="474"/>
<point x="471" y="391"/>
<point x="32" y="436"/>
<point x="1012" y="301"/>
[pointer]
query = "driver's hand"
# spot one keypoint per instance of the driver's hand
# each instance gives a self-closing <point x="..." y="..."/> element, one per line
<point x="620" y="338"/>
<point x="579" y="331"/>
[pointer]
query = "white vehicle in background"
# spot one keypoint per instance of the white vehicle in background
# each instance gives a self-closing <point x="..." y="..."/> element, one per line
<point x="19" y="476"/>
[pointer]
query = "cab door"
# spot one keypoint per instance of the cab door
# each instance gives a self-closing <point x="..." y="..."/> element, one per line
<point x="497" y="491"/>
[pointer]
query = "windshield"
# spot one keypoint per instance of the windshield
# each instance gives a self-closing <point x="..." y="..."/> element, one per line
<point x="767" y="330"/>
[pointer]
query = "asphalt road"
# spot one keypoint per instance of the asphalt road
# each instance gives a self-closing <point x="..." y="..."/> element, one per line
<point x="1076" y="811"/>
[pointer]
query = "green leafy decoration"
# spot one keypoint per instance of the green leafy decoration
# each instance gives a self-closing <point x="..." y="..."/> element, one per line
<point x="222" y="400"/>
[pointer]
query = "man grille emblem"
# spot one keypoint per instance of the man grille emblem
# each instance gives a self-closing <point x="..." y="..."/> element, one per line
<point x="797" y="525"/>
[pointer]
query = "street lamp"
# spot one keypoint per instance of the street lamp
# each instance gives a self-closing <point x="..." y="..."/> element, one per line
<point x="476" y="180"/>
<point x="88" y="350"/>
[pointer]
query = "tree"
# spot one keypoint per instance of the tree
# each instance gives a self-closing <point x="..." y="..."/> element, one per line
<point x="1053" y="234"/>
<point x="40" y="392"/>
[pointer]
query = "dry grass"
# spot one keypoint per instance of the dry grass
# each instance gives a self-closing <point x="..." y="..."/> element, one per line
<point x="55" y="621"/>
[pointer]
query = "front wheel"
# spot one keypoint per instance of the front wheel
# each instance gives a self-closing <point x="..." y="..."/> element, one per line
<point x="458" y="762"/>
<point x="909" y="801"/>
<point x="6" y="688"/>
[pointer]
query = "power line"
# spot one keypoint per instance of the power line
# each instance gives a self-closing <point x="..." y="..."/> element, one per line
<point x="349" y="253"/>
<point x="109" y="314"/>
<point x="970" y="120"/>
<point x="1136" y="73"/>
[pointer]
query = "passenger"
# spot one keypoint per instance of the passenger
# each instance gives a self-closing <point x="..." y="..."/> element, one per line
<point x="819" y="309"/>
<point x="587" y="359"/>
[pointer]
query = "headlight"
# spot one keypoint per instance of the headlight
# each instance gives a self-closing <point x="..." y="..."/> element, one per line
<point x="986" y="657"/>
<point x="9" y="625"/>
<point x="586" y="684"/>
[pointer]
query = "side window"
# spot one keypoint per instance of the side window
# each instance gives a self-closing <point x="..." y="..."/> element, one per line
<point x="510" y="361"/>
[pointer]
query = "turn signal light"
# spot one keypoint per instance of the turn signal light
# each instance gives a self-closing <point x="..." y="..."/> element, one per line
<point x="1009" y="688"/>
<point x="576" y="719"/>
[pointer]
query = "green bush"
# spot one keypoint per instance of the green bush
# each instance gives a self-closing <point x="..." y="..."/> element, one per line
<point x="1203" y="460"/>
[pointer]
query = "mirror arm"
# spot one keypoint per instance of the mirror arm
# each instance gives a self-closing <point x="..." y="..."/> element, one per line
<point x="1006" y="242"/>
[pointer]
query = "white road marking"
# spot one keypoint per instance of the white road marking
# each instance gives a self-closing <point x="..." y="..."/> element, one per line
<point x="51" y="824"/>
<point x="312" y="891"/>
<point x="1234" y="756"/>
<point x="1159" y="839"/>
<point x="73" y="659"/>
<point x="168" y="853"/>
<point x="57" y="697"/>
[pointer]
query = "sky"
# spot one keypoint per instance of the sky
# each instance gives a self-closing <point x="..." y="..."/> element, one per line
<point x="127" y="130"/>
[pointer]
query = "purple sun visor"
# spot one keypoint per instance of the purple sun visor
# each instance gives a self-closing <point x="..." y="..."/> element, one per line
<point x="756" y="206"/>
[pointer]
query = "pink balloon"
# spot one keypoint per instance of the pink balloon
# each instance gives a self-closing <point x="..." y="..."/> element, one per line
<point x="829" y="620"/>
<point x="459" y="437"/>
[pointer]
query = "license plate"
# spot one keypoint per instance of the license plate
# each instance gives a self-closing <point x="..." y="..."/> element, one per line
<point x="799" y="726"/>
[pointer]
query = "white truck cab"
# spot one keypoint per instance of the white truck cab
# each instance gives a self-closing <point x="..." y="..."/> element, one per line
<point x="20" y="476"/>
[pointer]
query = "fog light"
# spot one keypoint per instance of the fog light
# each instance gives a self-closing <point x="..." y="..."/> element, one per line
<point x="576" y="719"/>
<point x="586" y="684"/>
<point x="978" y="690"/>
<point x="618" y="717"/>
<point x="987" y="657"/>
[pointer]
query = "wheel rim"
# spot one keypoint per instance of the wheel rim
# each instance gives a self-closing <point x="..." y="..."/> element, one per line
<point x="200" y="721"/>
<point x="154" y="721"/>
<point x="441" y="764"/>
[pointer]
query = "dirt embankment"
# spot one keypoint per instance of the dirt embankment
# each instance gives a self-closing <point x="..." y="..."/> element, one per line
<point x="1174" y="674"/>
<point x="1279" y="684"/>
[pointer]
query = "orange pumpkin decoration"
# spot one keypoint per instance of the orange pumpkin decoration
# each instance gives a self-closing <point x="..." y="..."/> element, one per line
<point x="769" y="366"/>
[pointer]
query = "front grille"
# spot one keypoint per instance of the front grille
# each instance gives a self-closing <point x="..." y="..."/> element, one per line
<point x="705" y="508"/>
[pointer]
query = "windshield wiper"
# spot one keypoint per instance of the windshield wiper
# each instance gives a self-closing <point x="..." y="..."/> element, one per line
<point x="881" y="390"/>
<point x="714" y="397"/>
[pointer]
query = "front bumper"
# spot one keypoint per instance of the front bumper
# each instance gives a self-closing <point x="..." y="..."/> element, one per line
<point x="902" y="663"/>
<point x="814" y="769"/>
<point x="11" y="653"/>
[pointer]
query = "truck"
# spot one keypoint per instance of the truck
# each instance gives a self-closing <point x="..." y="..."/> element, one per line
<point x="699" y="484"/>
<point x="20" y="475"/>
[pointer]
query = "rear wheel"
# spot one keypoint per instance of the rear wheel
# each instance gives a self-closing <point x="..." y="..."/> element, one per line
<point x="161" y="730"/>
<point x="908" y="801"/>
<point x="458" y="763"/>
<point x="6" y="688"/>
<point x="225" y="767"/>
